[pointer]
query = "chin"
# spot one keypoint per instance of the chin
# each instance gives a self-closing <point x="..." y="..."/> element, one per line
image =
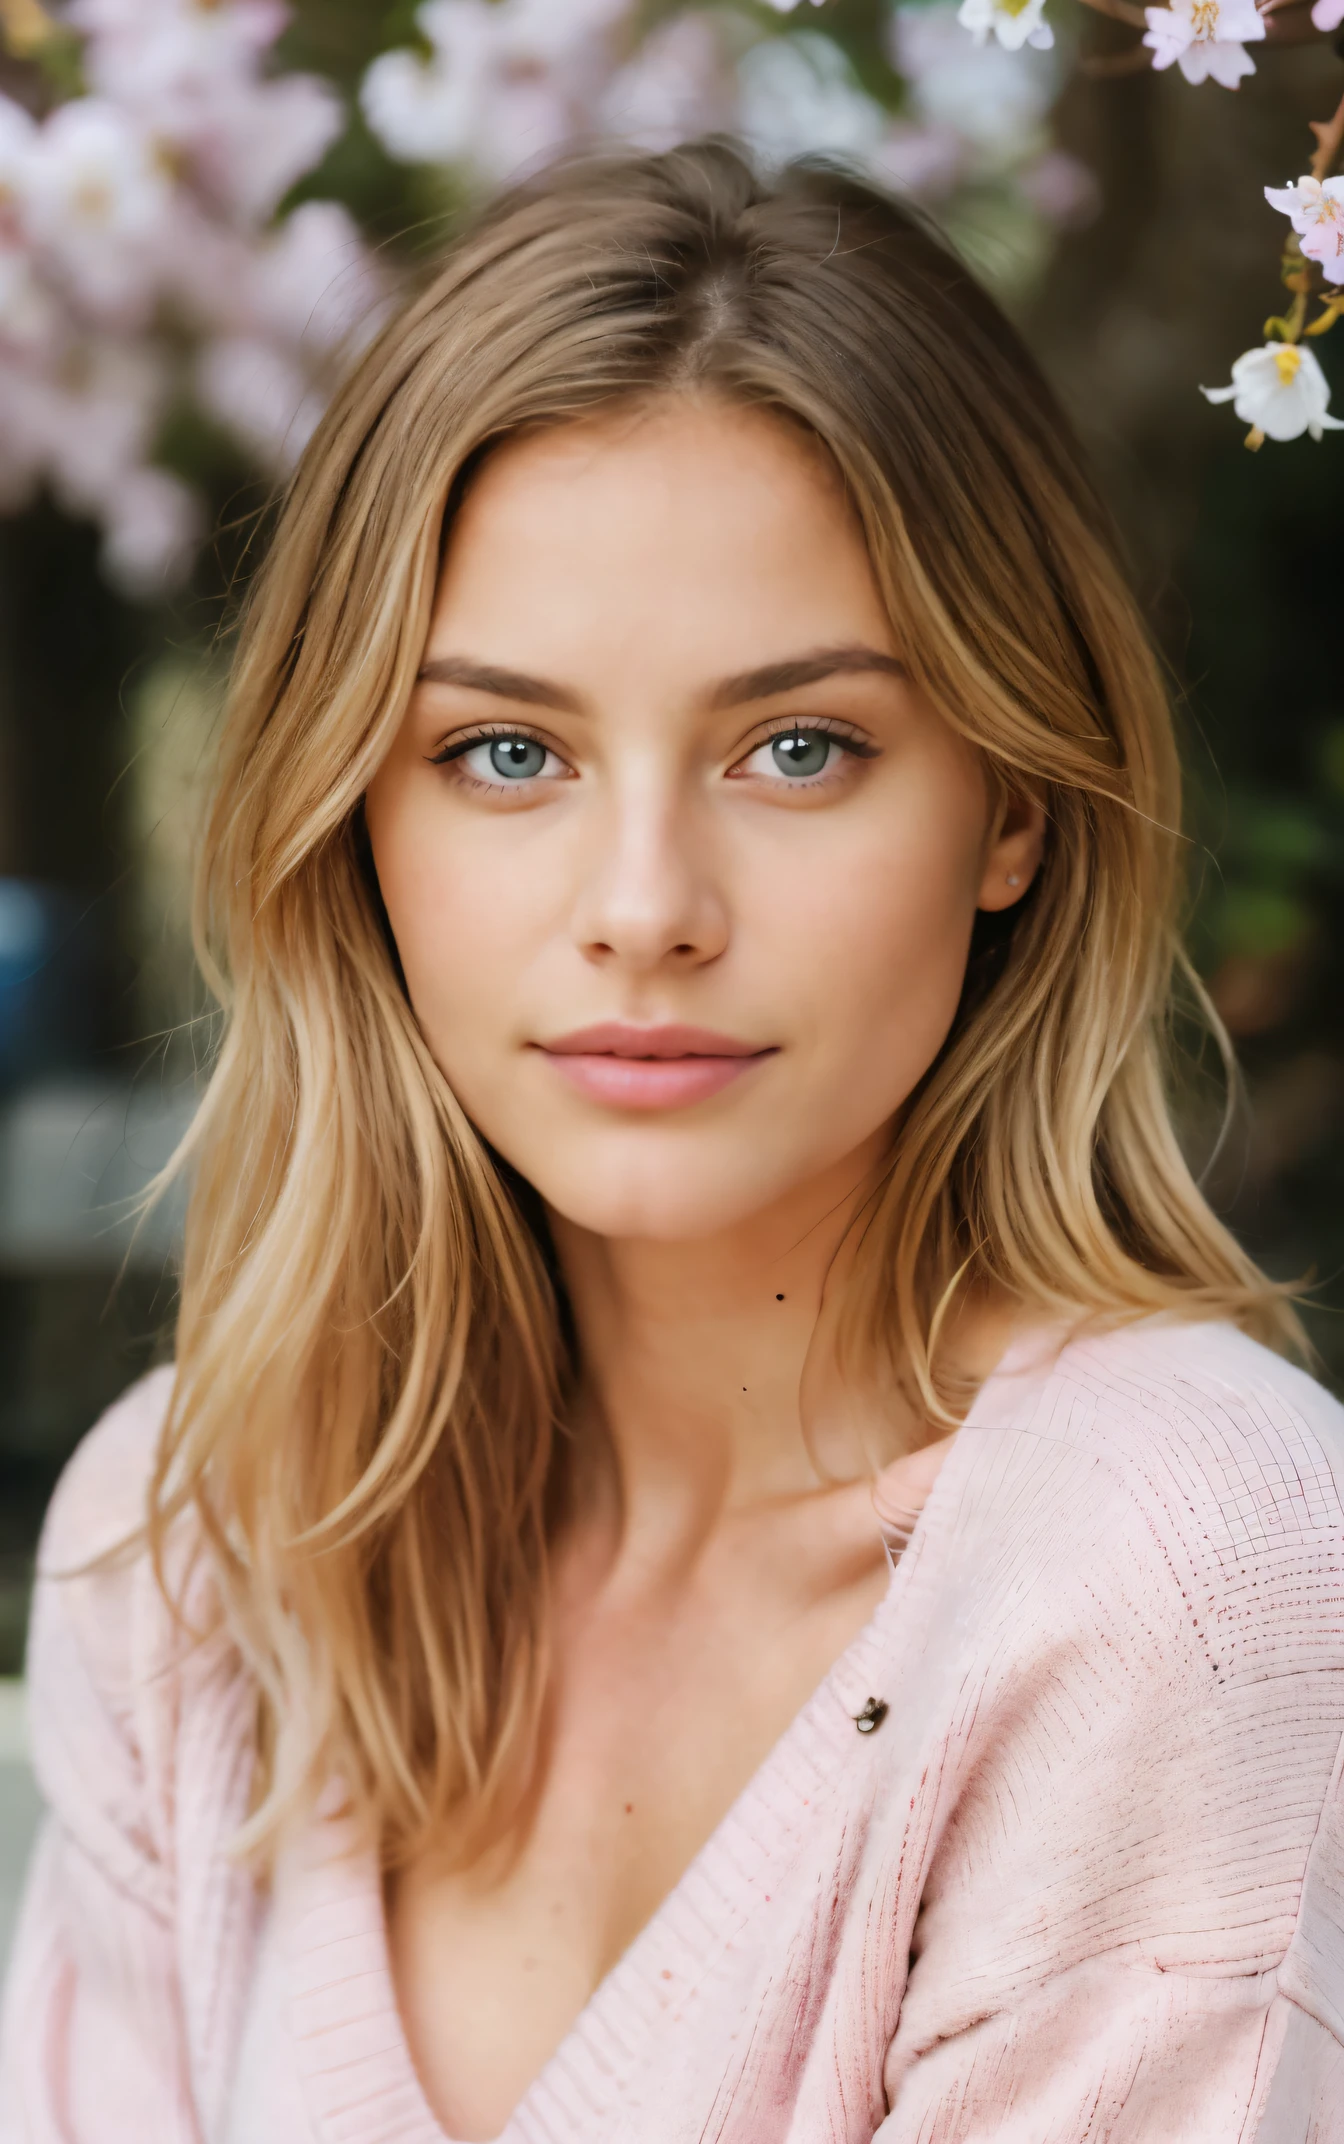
<point x="665" y="1199"/>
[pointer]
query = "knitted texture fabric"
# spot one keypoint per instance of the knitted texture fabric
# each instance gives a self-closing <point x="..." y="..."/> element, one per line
<point x="1082" y="1884"/>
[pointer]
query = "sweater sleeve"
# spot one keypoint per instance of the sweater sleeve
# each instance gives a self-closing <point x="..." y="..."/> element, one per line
<point x="1132" y="1923"/>
<point x="92" y="2047"/>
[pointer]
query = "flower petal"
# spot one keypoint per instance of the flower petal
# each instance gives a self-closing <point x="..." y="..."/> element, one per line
<point x="1228" y="63"/>
<point x="1195" y="63"/>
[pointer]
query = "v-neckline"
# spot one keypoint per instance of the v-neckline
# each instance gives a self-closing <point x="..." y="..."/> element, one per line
<point x="351" y="2044"/>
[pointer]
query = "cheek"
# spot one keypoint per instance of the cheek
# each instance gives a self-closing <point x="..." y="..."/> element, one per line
<point x="464" y="911"/>
<point x="884" y="934"/>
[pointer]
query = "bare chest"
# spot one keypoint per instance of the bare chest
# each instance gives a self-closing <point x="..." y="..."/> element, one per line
<point x="657" y="1725"/>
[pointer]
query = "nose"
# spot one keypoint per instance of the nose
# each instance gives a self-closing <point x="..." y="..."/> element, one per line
<point x="650" y="896"/>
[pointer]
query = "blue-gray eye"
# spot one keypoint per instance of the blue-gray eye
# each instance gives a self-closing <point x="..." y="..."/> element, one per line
<point x="800" y="752"/>
<point x="517" y="758"/>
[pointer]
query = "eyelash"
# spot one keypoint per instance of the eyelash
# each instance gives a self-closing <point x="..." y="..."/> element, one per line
<point x="459" y="745"/>
<point x="851" y="743"/>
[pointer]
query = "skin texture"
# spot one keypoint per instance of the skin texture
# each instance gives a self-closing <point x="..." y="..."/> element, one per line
<point x="662" y="867"/>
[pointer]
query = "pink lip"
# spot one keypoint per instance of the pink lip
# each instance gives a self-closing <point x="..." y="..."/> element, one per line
<point x="651" y="1067"/>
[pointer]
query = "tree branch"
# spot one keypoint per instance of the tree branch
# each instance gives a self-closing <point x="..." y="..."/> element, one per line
<point x="1329" y="140"/>
<point x="1108" y="66"/>
<point x="1120" y="11"/>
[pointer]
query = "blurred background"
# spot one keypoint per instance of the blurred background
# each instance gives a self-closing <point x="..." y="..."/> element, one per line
<point x="204" y="203"/>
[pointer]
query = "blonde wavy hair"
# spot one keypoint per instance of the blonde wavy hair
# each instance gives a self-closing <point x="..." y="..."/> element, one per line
<point x="371" y="1357"/>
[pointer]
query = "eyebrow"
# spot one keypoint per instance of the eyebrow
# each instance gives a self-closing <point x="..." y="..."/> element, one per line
<point x="764" y="683"/>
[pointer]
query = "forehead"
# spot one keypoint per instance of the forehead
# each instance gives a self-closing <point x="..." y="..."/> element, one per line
<point x="691" y="532"/>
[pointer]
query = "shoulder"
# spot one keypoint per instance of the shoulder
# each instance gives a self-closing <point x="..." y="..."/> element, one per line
<point x="1237" y="1452"/>
<point x="99" y="1628"/>
<point x="1173" y="1492"/>
<point x="1134" y="1653"/>
<point x="100" y="1498"/>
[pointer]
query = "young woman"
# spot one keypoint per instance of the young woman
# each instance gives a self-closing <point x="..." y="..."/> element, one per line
<point x="722" y="1557"/>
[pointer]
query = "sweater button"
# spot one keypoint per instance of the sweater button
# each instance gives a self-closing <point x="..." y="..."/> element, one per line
<point x="870" y="1719"/>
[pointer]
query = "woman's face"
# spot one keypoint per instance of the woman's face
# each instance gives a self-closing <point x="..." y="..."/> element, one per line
<point x="681" y="867"/>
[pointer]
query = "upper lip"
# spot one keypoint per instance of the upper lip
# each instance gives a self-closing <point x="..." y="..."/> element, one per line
<point x="617" y="1038"/>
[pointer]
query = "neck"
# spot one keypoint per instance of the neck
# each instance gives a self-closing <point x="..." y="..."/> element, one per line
<point x="693" y="1357"/>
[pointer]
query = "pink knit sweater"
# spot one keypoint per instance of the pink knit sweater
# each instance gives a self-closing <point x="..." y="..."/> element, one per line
<point x="1085" y="1881"/>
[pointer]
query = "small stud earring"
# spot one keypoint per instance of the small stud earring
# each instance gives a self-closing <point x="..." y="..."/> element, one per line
<point x="1013" y="879"/>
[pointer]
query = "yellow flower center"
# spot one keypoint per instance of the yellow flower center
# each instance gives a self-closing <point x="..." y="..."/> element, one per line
<point x="1287" y="363"/>
<point x="93" y="198"/>
<point x="1204" y="20"/>
<point x="1012" y="7"/>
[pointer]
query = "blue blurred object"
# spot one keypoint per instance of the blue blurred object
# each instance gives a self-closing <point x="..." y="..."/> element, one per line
<point x="47" y="979"/>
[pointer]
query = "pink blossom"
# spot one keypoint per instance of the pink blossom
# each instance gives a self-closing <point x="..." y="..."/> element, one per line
<point x="97" y="203"/>
<point x="261" y="394"/>
<point x="1207" y="38"/>
<point x="678" y="83"/>
<point x="921" y="158"/>
<point x="252" y="144"/>
<point x="313" y="284"/>
<point x="149" y="202"/>
<point x="97" y="415"/>
<point x="1315" y="208"/>
<point x="1328" y="14"/>
<point x="151" y="526"/>
<point x="1063" y="189"/>
<point x="165" y="56"/>
<point x="29" y="314"/>
<point x="507" y="81"/>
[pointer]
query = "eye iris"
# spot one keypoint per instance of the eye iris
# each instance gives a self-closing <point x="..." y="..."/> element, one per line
<point x="516" y="756"/>
<point x="801" y="752"/>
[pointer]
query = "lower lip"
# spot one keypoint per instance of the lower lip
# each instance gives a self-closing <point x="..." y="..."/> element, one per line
<point x="652" y="1082"/>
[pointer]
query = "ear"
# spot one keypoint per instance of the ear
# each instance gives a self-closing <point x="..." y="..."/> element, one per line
<point x="1013" y="856"/>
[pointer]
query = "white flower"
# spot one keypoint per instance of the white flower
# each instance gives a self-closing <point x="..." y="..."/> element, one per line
<point x="165" y="57"/>
<point x="98" y="203"/>
<point x="1207" y="38"/>
<point x="1328" y="14"/>
<point x="678" y="83"/>
<point x="786" y="7"/>
<point x="800" y="93"/>
<point x="189" y="71"/>
<point x="1013" y="22"/>
<point x="1280" y="391"/>
<point x="507" y="81"/>
<point x="995" y="100"/>
<point x="1316" y="210"/>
